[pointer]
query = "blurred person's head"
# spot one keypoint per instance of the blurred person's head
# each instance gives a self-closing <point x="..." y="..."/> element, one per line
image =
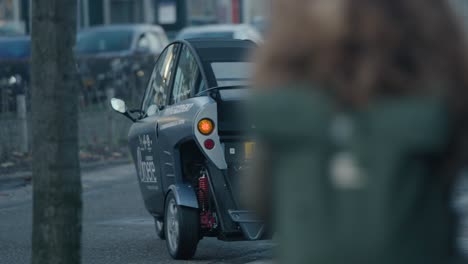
<point x="327" y="170"/>
<point x="362" y="49"/>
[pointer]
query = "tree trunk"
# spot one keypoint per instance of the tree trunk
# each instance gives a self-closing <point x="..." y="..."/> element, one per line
<point x="57" y="206"/>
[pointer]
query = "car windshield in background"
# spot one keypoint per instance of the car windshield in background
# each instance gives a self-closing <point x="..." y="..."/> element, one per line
<point x="104" y="41"/>
<point x="232" y="73"/>
<point x="211" y="35"/>
<point x="15" y="49"/>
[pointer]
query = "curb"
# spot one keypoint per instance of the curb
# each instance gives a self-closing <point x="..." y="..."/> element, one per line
<point x="88" y="166"/>
<point x="15" y="177"/>
<point x="22" y="177"/>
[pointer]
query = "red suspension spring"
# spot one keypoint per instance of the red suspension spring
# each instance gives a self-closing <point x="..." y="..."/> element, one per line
<point x="203" y="192"/>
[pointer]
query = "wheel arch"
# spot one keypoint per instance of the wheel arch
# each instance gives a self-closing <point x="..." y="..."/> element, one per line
<point x="184" y="195"/>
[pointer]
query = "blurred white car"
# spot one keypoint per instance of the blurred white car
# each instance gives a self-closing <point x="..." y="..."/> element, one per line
<point x="221" y="31"/>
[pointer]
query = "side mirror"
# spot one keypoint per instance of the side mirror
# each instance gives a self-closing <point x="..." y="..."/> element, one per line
<point x="119" y="106"/>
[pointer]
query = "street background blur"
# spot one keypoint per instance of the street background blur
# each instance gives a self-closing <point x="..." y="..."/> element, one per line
<point x="98" y="86"/>
<point x="124" y="72"/>
<point x="120" y="71"/>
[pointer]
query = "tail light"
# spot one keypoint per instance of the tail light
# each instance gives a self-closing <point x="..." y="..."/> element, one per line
<point x="205" y="126"/>
<point x="209" y="144"/>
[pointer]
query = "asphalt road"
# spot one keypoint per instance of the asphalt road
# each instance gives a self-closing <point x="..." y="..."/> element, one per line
<point x="116" y="227"/>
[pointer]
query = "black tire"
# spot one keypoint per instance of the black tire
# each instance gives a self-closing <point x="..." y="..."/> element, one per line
<point x="159" y="226"/>
<point x="181" y="228"/>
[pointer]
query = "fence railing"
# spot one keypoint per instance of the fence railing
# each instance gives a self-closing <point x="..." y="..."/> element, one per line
<point x="98" y="126"/>
<point x="122" y="79"/>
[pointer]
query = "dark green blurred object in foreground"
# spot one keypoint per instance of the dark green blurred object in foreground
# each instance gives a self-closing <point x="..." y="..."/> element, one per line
<point x="356" y="186"/>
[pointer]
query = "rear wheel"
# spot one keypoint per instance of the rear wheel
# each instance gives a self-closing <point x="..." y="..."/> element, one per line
<point x="181" y="228"/>
<point x="159" y="224"/>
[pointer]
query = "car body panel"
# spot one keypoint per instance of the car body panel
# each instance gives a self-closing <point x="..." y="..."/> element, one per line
<point x="184" y="194"/>
<point x="145" y="151"/>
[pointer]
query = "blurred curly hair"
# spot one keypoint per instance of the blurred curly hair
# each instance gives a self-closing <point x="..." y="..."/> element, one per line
<point x="360" y="50"/>
<point x="365" y="48"/>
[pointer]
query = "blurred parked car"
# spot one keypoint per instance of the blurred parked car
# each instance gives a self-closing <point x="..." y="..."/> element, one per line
<point x="229" y="31"/>
<point x="261" y="24"/>
<point x="118" y="56"/>
<point x="14" y="70"/>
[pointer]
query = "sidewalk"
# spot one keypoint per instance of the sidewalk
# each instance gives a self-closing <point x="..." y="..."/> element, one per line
<point x="22" y="177"/>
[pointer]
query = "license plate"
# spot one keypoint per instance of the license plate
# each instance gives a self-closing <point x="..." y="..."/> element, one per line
<point x="249" y="148"/>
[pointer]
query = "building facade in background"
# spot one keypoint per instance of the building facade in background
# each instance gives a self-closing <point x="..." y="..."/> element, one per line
<point x="171" y="14"/>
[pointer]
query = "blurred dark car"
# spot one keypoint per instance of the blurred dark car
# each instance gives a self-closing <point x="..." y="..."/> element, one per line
<point x="15" y="53"/>
<point x="118" y="56"/>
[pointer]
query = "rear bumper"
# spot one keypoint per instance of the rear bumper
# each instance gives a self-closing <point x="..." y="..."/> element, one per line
<point x="235" y="224"/>
<point x="252" y="229"/>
